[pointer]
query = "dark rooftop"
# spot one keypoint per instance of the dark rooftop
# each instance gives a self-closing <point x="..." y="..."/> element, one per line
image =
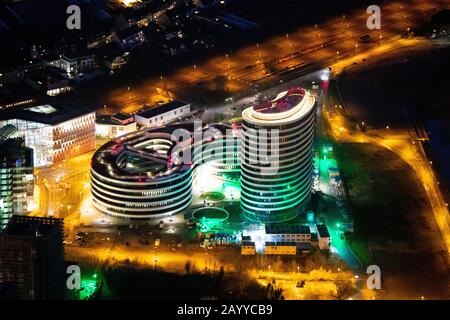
<point x="110" y="120"/>
<point x="322" y="230"/>
<point x="32" y="226"/>
<point x="51" y="114"/>
<point x="287" y="229"/>
<point x="291" y="244"/>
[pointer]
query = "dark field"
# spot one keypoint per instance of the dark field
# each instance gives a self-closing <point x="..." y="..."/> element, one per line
<point x="394" y="225"/>
<point x="130" y="283"/>
<point x="412" y="81"/>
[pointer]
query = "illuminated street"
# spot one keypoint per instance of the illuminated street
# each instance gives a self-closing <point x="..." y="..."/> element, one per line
<point x="267" y="61"/>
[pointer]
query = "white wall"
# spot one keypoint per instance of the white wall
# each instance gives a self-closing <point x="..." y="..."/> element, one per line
<point x="163" y="118"/>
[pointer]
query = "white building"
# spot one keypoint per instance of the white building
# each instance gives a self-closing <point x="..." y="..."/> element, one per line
<point x="323" y="236"/>
<point x="73" y="63"/>
<point x="54" y="132"/>
<point x="163" y="114"/>
<point x="287" y="233"/>
<point x="115" y="125"/>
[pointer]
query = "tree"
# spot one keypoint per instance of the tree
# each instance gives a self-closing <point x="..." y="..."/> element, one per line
<point x="187" y="266"/>
<point x="344" y="290"/>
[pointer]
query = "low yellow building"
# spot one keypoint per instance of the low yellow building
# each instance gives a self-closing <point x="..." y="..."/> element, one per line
<point x="282" y="248"/>
<point x="248" y="248"/>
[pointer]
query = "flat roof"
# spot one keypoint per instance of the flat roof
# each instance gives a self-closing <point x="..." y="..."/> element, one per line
<point x="51" y="114"/>
<point x="122" y="116"/>
<point x="278" y="244"/>
<point x="303" y="245"/>
<point x="31" y="226"/>
<point x="108" y="120"/>
<point x="323" y="231"/>
<point x="287" y="229"/>
<point x="157" y="110"/>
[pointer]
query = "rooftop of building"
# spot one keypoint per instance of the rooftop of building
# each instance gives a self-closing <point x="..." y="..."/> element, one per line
<point x="287" y="229"/>
<point x="283" y="102"/>
<point x="13" y="93"/>
<point x="128" y="32"/>
<point x="158" y="165"/>
<point x="73" y="54"/>
<point x="280" y="244"/>
<point x="122" y="116"/>
<point x="110" y="119"/>
<point x="50" y="114"/>
<point x="108" y="51"/>
<point x="287" y="107"/>
<point x="157" y="110"/>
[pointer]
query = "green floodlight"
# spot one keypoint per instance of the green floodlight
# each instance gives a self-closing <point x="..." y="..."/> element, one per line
<point x="338" y="225"/>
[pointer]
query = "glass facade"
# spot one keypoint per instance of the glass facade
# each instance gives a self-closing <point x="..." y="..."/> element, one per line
<point x="55" y="143"/>
<point x="276" y="157"/>
<point x="16" y="179"/>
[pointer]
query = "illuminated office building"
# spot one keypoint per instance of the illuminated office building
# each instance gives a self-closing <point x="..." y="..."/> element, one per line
<point x="16" y="176"/>
<point x="276" y="156"/>
<point x="136" y="176"/>
<point x="54" y="132"/>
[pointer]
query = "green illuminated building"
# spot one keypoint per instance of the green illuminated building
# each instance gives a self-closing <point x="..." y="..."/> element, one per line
<point x="276" y="157"/>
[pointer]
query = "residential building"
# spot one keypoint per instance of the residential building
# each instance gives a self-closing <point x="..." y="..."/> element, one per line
<point x="129" y="38"/>
<point x="111" y="56"/>
<point x="55" y="132"/>
<point x="73" y="62"/>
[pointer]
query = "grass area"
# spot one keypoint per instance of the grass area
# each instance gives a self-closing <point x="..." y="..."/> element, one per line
<point x="394" y="227"/>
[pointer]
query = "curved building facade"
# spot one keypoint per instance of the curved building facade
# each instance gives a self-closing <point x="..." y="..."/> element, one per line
<point x="277" y="156"/>
<point x="148" y="174"/>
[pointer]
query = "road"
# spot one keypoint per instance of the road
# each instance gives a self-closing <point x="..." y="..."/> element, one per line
<point x="62" y="186"/>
